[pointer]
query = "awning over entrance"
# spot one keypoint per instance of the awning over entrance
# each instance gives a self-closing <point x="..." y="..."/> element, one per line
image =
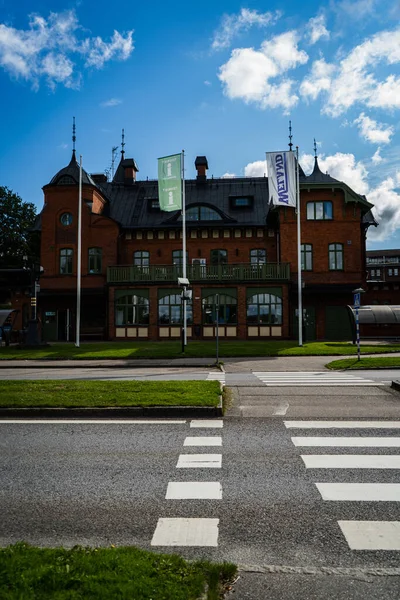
<point x="5" y="313"/>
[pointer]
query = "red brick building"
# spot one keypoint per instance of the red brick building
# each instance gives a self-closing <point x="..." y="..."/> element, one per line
<point x="238" y="246"/>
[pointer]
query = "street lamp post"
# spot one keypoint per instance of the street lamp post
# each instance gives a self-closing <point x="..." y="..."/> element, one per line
<point x="356" y="303"/>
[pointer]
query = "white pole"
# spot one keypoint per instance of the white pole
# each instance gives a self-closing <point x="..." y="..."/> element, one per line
<point x="184" y="247"/>
<point x="299" y="287"/>
<point x="79" y="259"/>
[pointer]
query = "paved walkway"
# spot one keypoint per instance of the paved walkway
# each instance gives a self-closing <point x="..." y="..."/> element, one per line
<point x="242" y="364"/>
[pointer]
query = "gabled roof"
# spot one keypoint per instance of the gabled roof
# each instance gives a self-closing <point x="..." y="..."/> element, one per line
<point x="72" y="171"/>
<point x="119" y="176"/>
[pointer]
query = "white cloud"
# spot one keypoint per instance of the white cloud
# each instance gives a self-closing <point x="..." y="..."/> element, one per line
<point x="316" y="29"/>
<point x="111" y="102"/>
<point x="228" y="175"/>
<point x="343" y="167"/>
<point x="207" y="82"/>
<point x="357" y="9"/>
<point x="256" y="169"/>
<point x="319" y="79"/>
<point x="232" y="25"/>
<point x="44" y="49"/>
<point x="370" y="130"/>
<point x="377" y="158"/>
<point x="356" y="82"/>
<point x="386" y="199"/>
<point x="247" y="73"/>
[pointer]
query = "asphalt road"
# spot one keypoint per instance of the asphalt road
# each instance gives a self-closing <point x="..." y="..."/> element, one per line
<point x="106" y="483"/>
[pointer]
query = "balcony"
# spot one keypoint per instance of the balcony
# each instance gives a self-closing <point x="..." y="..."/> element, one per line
<point x="199" y="273"/>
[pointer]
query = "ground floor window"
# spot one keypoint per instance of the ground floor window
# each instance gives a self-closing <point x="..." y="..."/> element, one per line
<point x="131" y="309"/>
<point x="221" y="306"/>
<point x="170" y="310"/>
<point x="264" y="308"/>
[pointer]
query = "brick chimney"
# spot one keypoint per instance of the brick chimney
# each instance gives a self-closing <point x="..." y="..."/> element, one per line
<point x="201" y="165"/>
<point x="130" y="170"/>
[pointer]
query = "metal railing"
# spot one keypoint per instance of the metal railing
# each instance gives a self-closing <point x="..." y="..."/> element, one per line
<point x="209" y="273"/>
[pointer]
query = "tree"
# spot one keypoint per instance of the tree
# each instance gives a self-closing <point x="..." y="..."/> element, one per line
<point x="16" y="238"/>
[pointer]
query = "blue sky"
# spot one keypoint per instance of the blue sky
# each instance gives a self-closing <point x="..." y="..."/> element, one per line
<point x="215" y="78"/>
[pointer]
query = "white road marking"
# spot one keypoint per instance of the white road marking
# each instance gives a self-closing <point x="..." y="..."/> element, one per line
<point x="351" y="461"/>
<point x="95" y="421"/>
<point x="215" y="440"/>
<point x="186" y="532"/>
<point x="311" y="378"/>
<point x="282" y="409"/>
<point x="194" y="490"/>
<point x="360" y="442"/>
<point x="371" y="535"/>
<point x="360" y="492"/>
<point x="209" y="423"/>
<point x="342" y="424"/>
<point x="221" y="377"/>
<point x="197" y="461"/>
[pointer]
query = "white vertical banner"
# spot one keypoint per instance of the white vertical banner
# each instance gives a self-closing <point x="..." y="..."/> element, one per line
<point x="282" y="178"/>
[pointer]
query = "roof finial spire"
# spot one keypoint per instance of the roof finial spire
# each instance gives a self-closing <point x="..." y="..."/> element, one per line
<point x="315" y="149"/>
<point x="123" y="145"/>
<point x="290" y="136"/>
<point x="73" y="137"/>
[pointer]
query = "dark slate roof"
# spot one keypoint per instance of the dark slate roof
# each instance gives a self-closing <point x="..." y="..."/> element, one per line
<point x="369" y="219"/>
<point x="317" y="176"/>
<point x="119" y="176"/>
<point x="129" y="205"/>
<point x="201" y="161"/>
<point x="72" y="170"/>
<point x="381" y="253"/>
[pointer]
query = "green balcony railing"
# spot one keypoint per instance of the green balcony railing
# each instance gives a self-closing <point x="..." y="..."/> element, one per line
<point x="209" y="273"/>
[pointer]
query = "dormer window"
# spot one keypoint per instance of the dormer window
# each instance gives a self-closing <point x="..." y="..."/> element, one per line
<point x="201" y="213"/>
<point x="241" y="202"/>
<point x="66" y="180"/>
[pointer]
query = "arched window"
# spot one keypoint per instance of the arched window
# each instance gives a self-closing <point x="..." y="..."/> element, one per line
<point x="141" y="258"/>
<point x="131" y="309"/>
<point x="66" y="260"/>
<point x="95" y="260"/>
<point x="201" y="213"/>
<point x="222" y="306"/>
<point x="170" y="310"/>
<point x="306" y="257"/>
<point x="335" y="257"/>
<point x="264" y="308"/>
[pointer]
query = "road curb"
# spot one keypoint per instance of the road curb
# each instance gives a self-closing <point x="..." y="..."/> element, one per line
<point x="98" y="365"/>
<point x="129" y="412"/>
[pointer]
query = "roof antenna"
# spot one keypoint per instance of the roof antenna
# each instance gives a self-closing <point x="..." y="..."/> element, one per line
<point x="290" y="136"/>
<point x="315" y="149"/>
<point x="73" y="137"/>
<point x="123" y="145"/>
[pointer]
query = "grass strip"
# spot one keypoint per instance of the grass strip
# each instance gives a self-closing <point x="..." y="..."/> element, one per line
<point x="195" y="349"/>
<point x="28" y="573"/>
<point x="365" y="363"/>
<point x="67" y="393"/>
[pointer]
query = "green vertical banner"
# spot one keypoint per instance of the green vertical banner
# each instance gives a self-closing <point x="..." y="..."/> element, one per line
<point x="170" y="182"/>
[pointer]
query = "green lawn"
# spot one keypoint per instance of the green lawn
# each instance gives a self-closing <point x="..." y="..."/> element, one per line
<point x="63" y="393"/>
<point x="131" y="350"/>
<point x="28" y="573"/>
<point x="365" y="363"/>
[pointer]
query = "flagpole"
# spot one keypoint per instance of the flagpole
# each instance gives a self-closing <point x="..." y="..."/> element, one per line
<point x="299" y="285"/>
<point x="184" y="247"/>
<point x="79" y="259"/>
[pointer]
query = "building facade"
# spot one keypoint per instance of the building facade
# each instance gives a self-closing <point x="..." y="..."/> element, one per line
<point x="241" y="256"/>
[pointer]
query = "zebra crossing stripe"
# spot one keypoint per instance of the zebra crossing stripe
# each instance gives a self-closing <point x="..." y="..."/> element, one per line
<point x="199" y="461"/>
<point x="359" y="442"/>
<point x="351" y="461"/>
<point x="311" y="378"/>
<point x="342" y="424"/>
<point x="186" y="532"/>
<point x="360" y="492"/>
<point x="215" y="440"/>
<point x="207" y="423"/>
<point x="194" y="490"/>
<point x="371" y="535"/>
